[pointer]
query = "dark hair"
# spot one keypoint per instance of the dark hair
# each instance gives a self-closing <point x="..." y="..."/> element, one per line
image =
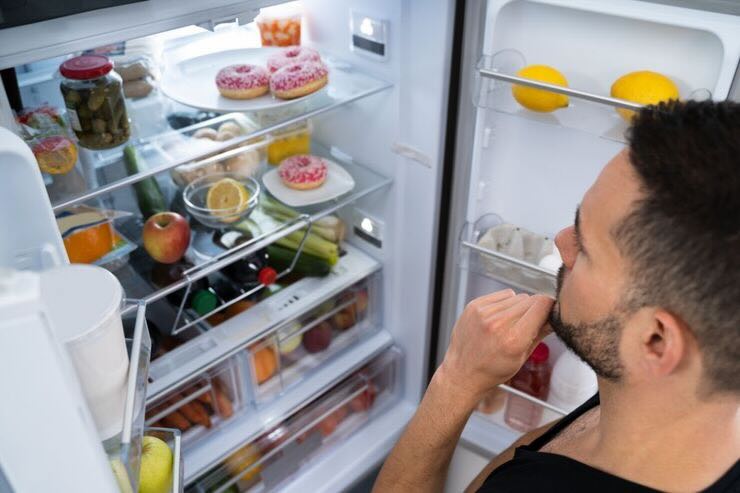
<point x="682" y="238"/>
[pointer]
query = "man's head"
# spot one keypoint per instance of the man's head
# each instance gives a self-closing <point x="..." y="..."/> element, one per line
<point x="650" y="288"/>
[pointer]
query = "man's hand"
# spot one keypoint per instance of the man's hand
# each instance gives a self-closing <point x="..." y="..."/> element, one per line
<point x="493" y="338"/>
<point x="490" y="342"/>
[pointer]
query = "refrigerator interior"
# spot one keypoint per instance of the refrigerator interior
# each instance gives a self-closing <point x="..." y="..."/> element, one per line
<point x="527" y="169"/>
<point x="382" y="120"/>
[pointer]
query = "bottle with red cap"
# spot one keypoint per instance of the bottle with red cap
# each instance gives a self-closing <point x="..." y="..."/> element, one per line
<point x="93" y="95"/>
<point x="534" y="379"/>
<point x="247" y="272"/>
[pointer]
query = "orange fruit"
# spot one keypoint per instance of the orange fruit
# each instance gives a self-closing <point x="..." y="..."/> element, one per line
<point x="238" y="307"/>
<point x="88" y="245"/>
<point x="264" y="363"/>
<point x="56" y="155"/>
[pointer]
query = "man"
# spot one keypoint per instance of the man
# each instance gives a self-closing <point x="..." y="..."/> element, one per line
<point x="649" y="297"/>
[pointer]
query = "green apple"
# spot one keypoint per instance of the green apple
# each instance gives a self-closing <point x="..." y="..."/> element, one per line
<point x="155" y="474"/>
<point x="121" y="474"/>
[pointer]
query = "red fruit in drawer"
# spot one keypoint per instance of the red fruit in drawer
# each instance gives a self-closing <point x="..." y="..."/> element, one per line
<point x="365" y="399"/>
<point x="330" y="423"/>
<point x="318" y="338"/>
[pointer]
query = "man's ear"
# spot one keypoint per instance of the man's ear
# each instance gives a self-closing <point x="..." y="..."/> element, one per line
<point x="665" y="343"/>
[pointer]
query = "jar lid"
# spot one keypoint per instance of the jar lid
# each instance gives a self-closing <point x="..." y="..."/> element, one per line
<point x="86" y="67"/>
<point x="540" y="353"/>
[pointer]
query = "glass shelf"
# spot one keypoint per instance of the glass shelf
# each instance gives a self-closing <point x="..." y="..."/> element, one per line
<point x="84" y="184"/>
<point x="266" y="230"/>
<point x="489" y="248"/>
<point x="587" y="111"/>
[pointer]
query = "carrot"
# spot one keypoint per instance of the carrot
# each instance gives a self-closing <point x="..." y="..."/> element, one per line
<point x="176" y="420"/>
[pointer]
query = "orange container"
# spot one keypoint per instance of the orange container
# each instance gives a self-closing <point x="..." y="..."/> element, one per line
<point x="85" y="246"/>
<point x="280" y="25"/>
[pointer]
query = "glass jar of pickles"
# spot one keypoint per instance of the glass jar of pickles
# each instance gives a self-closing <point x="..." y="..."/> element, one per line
<point x="93" y="96"/>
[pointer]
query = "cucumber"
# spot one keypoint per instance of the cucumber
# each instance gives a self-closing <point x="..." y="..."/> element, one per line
<point x="307" y="265"/>
<point x="148" y="194"/>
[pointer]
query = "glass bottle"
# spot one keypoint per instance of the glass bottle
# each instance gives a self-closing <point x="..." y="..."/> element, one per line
<point x="534" y="379"/>
<point x="93" y="96"/>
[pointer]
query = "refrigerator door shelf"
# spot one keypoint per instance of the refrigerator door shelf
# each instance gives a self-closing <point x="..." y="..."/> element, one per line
<point x="125" y="448"/>
<point x="588" y="112"/>
<point x="508" y="254"/>
<point x="235" y="334"/>
<point x="174" y="441"/>
<point x="280" y="453"/>
<point x="245" y="429"/>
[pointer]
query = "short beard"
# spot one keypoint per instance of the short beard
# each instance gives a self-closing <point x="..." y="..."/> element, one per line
<point x="596" y="343"/>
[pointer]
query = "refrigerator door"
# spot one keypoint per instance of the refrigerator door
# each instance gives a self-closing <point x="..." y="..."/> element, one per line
<point x="519" y="174"/>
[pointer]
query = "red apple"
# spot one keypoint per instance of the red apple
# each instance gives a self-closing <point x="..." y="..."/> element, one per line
<point x="166" y="237"/>
<point x="318" y="338"/>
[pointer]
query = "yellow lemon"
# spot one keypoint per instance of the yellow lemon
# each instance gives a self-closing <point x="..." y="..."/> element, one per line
<point x="643" y="87"/>
<point x="540" y="99"/>
<point x="227" y="198"/>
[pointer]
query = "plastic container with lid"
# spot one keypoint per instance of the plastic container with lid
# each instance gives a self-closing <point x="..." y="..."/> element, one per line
<point x="280" y="25"/>
<point x="294" y="140"/>
<point x="534" y="379"/>
<point x="572" y="382"/>
<point x="83" y="303"/>
<point x="93" y="96"/>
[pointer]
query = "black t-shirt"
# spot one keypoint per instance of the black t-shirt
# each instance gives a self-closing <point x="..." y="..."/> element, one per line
<point x="532" y="471"/>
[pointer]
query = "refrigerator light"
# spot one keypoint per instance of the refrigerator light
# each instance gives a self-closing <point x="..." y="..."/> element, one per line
<point x="369" y="36"/>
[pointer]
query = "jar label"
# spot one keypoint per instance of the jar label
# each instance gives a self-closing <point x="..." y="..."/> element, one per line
<point x="74" y="120"/>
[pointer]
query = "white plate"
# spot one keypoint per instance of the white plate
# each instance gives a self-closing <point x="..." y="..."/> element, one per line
<point x="191" y="81"/>
<point x="338" y="182"/>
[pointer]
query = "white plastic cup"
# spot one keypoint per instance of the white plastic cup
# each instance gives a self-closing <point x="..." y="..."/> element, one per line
<point x="572" y="382"/>
<point x="83" y="303"/>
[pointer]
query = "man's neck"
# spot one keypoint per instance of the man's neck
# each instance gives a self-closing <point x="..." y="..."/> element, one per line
<point x="664" y="438"/>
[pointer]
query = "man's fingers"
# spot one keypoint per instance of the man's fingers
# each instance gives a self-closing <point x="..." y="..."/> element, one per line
<point x="502" y="305"/>
<point x="495" y="297"/>
<point x="514" y="311"/>
<point x="530" y="324"/>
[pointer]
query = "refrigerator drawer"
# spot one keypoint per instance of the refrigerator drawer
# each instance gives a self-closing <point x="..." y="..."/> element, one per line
<point x="295" y="348"/>
<point x="202" y="403"/>
<point x="281" y="452"/>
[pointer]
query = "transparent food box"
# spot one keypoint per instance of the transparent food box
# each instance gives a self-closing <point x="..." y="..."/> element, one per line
<point x="279" y="453"/>
<point x="291" y="351"/>
<point x="202" y="403"/>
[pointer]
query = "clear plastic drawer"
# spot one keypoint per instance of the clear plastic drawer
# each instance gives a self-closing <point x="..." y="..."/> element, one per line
<point x="291" y="351"/>
<point x="279" y="454"/>
<point x="202" y="403"/>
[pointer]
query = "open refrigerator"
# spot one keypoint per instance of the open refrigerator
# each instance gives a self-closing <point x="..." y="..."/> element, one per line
<point x="419" y="113"/>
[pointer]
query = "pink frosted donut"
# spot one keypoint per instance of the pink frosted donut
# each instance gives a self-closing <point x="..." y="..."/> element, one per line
<point x="303" y="171"/>
<point x="242" y="81"/>
<point x="296" y="54"/>
<point x="298" y="79"/>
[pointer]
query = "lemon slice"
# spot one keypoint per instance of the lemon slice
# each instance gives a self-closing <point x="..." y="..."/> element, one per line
<point x="227" y="199"/>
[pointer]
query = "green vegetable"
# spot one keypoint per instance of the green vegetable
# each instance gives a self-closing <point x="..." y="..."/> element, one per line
<point x="307" y="265"/>
<point x="330" y="228"/>
<point x="148" y="194"/>
<point x="314" y="245"/>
